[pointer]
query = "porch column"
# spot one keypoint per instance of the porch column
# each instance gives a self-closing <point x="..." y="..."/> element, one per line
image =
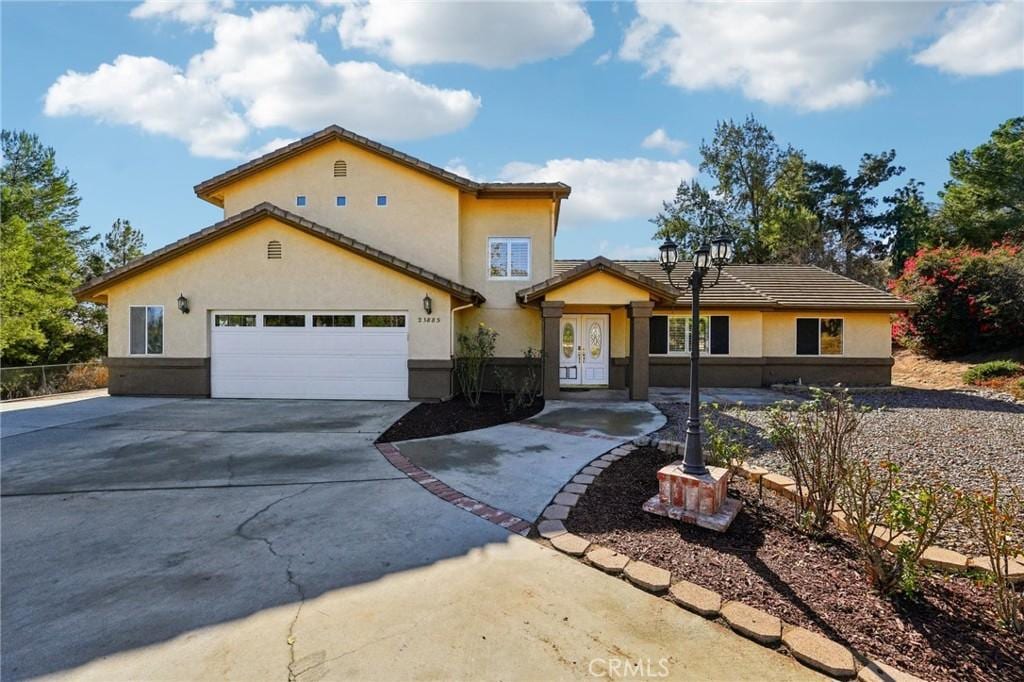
<point x="639" y="313"/>
<point x="551" y="316"/>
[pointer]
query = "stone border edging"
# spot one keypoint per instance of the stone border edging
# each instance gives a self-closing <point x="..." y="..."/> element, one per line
<point x="934" y="556"/>
<point x="809" y="648"/>
<point x="441" y="489"/>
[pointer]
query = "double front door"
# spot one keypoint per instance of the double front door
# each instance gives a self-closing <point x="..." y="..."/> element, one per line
<point x="583" y="350"/>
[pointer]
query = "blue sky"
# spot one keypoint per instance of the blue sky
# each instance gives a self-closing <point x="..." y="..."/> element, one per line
<point x="143" y="101"/>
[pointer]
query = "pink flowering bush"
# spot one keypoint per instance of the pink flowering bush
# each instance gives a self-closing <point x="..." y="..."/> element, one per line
<point x="968" y="300"/>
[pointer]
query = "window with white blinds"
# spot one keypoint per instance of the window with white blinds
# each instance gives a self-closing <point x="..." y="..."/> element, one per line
<point x="508" y="258"/>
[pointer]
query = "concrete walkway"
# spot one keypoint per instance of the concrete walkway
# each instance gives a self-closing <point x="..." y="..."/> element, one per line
<point x="519" y="467"/>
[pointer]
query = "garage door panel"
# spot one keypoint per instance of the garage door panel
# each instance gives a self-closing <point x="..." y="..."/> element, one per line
<point x="309" y="362"/>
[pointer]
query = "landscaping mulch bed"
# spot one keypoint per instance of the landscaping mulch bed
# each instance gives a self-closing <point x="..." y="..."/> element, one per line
<point x="765" y="561"/>
<point x="455" y="416"/>
<point x="955" y="434"/>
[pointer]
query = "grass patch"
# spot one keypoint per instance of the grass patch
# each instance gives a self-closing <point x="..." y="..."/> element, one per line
<point x="992" y="370"/>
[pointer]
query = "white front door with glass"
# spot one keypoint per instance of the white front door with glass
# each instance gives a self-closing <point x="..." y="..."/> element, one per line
<point x="583" y="351"/>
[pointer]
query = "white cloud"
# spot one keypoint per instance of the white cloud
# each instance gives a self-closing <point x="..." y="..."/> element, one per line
<point x="186" y="11"/>
<point x="487" y="34"/>
<point x="603" y="59"/>
<point x="659" y="139"/>
<point x="812" y="55"/>
<point x="627" y="251"/>
<point x="259" y="74"/>
<point x="459" y="167"/>
<point x="271" y="146"/>
<point x="980" y="40"/>
<point x="606" y="190"/>
<point x="155" y="96"/>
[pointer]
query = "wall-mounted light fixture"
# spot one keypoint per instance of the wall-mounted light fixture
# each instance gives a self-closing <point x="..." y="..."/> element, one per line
<point x="428" y="304"/>
<point x="183" y="304"/>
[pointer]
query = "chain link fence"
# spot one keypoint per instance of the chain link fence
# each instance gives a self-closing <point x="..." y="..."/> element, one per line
<point x="25" y="382"/>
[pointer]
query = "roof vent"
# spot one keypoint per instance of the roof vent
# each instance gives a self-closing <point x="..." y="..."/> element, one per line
<point x="340" y="169"/>
<point x="274" y="250"/>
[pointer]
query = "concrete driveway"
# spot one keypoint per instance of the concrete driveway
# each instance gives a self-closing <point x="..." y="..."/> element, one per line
<point x="199" y="539"/>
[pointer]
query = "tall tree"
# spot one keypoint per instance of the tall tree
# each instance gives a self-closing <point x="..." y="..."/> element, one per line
<point x="41" y="247"/>
<point x="908" y="220"/>
<point x="983" y="202"/>
<point x="122" y="244"/>
<point x="846" y="208"/>
<point x="694" y="217"/>
<point x="746" y="163"/>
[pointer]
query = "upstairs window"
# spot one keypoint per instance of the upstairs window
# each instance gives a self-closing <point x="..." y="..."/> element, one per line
<point x="508" y="258"/>
<point x="300" y="200"/>
<point x="819" y="336"/>
<point x="340" y="169"/>
<point x="146" y="329"/>
<point x="382" y="200"/>
<point x="341" y="201"/>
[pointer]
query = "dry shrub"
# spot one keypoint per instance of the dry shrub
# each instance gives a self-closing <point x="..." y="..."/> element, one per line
<point x="878" y="503"/>
<point x="998" y="519"/>
<point x="816" y="439"/>
<point x="83" y="377"/>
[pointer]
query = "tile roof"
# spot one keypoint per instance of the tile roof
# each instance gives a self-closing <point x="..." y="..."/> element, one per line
<point x="599" y="264"/>
<point x="259" y="212"/>
<point x="792" y="287"/>
<point x="334" y="132"/>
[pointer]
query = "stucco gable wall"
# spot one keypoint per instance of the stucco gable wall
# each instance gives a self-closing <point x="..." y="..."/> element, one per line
<point x="480" y="219"/>
<point x="419" y="224"/>
<point x="233" y="273"/>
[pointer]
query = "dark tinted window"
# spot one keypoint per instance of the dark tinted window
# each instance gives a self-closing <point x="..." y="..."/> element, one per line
<point x="235" y="320"/>
<point x="334" y="320"/>
<point x="659" y="335"/>
<point x="383" y="320"/>
<point x="719" y="335"/>
<point x="807" y="336"/>
<point x="284" y="320"/>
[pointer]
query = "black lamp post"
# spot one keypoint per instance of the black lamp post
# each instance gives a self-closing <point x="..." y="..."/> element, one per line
<point x="719" y="254"/>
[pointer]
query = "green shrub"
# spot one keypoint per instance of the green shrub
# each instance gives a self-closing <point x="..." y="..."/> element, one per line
<point x="723" y="444"/>
<point x="991" y="370"/>
<point x="475" y="352"/>
<point x="998" y="519"/>
<point x="967" y="300"/>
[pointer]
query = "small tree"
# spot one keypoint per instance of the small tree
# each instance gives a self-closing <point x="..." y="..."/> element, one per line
<point x="907" y="518"/>
<point x="475" y="351"/>
<point x="816" y="440"/>
<point x="998" y="519"/>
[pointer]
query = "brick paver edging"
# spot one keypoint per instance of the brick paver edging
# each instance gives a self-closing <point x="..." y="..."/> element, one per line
<point x="809" y="648"/>
<point x="449" y="494"/>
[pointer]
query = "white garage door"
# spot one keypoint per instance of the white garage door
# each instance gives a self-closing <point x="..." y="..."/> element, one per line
<point x="340" y="355"/>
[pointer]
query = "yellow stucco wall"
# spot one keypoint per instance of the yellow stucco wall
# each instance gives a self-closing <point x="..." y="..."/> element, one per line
<point x="419" y="224"/>
<point x="519" y="328"/>
<point x="233" y="273"/>
<point x="865" y="334"/>
<point x="598" y="288"/>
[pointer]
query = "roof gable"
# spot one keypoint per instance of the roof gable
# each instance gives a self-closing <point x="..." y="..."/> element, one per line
<point x="768" y="286"/>
<point x="208" y="189"/>
<point x="253" y="215"/>
<point x="661" y="292"/>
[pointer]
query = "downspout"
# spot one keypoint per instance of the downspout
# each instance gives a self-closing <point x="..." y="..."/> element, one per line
<point x="451" y="336"/>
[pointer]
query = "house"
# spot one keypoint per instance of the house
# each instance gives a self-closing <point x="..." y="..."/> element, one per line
<point x="345" y="269"/>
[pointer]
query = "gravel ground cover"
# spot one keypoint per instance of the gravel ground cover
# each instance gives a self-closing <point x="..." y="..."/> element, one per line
<point x="765" y="561"/>
<point x="956" y="434"/>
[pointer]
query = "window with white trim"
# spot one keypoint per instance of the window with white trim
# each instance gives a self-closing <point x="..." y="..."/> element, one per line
<point x="671" y="334"/>
<point x="508" y="258"/>
<point x="146" y="329"/>
<point x="819" y="336"/>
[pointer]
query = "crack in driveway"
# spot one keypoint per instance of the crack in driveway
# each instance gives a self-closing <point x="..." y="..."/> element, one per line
<point x="240" y="532"/>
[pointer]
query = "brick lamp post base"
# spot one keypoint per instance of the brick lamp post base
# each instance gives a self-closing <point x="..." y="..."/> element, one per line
<point x="700" y="500"/>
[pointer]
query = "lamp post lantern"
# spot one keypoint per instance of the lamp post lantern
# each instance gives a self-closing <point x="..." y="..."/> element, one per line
<point x="718" y="255"/>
